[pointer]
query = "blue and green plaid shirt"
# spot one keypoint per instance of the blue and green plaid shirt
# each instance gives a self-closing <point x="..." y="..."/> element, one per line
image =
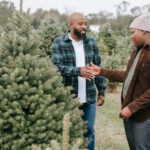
<point x="63" y="56"/>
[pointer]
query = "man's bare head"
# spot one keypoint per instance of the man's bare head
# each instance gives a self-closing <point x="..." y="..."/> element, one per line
<point x="78" y="25"/>
<point x="74" y="17"/>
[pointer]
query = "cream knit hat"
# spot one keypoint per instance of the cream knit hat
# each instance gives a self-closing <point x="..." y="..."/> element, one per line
<point x="142" y="22"/>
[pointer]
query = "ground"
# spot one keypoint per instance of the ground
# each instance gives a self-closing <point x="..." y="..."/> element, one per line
<point x="109" y="128"/>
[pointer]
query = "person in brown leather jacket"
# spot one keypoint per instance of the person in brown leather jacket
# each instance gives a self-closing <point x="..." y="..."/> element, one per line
<point x="135" y="95"/>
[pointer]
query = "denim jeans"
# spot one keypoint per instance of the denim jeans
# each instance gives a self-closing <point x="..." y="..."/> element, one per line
<point x="89" y="116"/>
<point x="138" y="134"/>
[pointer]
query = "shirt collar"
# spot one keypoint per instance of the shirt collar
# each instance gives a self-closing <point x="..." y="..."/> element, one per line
<point x="74" y="41"/>
<point x="66" y="37"/>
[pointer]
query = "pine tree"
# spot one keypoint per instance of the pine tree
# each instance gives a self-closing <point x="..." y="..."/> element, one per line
<point x="49" y="29"/>
<point x="108" y="47"/>
<point x="108" y="37"/>
<point x="33" y="99"/>
<point x="64" y="145"/>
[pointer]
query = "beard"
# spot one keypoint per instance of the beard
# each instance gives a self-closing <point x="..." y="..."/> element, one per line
<point x="80" y="35"/>
<point x="136" y="46"/>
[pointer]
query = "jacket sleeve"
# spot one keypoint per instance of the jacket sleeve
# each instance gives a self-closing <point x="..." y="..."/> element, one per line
<point x="113" y="75"/>
<point x="57" y="59"/>
<point x="141" y="102"/>
<point x="99" y="81"/>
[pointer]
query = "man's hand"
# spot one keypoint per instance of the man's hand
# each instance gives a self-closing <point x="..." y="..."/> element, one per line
<point x="125" y="113"/>
<point x="100" y="100"/>
<point x="86" y="73"/>
<point x="94" y="69"/>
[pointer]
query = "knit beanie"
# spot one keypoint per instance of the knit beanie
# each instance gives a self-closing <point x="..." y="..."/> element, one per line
<point x="142" y="22"/>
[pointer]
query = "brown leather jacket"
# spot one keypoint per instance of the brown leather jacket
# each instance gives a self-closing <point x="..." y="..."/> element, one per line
<point x="138" y="94"/>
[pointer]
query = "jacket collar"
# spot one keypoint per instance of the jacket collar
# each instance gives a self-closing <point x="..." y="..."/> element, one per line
<point x="145" y="47"/>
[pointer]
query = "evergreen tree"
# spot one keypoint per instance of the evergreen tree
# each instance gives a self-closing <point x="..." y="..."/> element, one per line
<point x="108" y="37"/>
<point x="110" y="58"/>
<point x="49" y="29"/>
<point x="33" y="99"/>
<point x="6" y="10"/>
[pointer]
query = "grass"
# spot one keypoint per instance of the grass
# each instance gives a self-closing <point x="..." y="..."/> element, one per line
<point x="109" y="130"/>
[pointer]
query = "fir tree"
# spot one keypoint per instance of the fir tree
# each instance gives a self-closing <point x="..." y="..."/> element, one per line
<point x="49" y="29"/>
<point x="108" y="47"/>
<point x="33" y="99"/>
<point x="64" y="145"/>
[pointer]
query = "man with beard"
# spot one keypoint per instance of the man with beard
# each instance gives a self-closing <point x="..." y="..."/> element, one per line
<point x="136" y="88"/>
<point x="71" y="53"/>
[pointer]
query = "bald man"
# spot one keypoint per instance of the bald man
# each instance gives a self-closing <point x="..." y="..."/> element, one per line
<point x="71" y="53"/>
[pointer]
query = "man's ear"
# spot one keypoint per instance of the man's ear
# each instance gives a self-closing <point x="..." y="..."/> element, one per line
<point x="71" y="24"/>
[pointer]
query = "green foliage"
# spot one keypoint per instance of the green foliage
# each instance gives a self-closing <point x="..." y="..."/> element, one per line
<point x="6" y="10"/>
<point x="54" y="145"/>
<point x="64" y="145"/>
<point x="1" y="31"/>
<point x="112" y="62"/>
<point x="123" y="50"/>
<point x="48" y="31"/>
<point x="33" y="99"/>
<point x="115" y="51"/>
<point x="108" y="39"/>
<point x="37" y="16"/>
<point x="110" y="59"/>
<point x="120" y="24"/>
<point x="19" y="38"/>
<point x="102" y="48"/>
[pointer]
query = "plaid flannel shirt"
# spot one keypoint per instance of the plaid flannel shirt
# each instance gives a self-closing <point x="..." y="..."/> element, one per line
<point x="63" y="56"/>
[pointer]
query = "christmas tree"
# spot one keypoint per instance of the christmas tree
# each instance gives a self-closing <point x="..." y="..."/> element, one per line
<point x="49" y="29"/>
<point x="33" y="99"/>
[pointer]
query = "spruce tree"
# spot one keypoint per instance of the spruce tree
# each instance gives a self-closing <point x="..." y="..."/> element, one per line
<point x="33" y="99"/>
<point x="49" y="29"/>
<point x="108" y="47"/>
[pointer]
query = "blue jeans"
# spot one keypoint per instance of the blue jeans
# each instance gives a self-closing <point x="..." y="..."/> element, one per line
<point x="138" y="134"/>
<point x="89" y="117"/>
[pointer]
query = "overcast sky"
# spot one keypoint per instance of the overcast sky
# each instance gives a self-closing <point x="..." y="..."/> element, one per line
<point x="84" y="6"/>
